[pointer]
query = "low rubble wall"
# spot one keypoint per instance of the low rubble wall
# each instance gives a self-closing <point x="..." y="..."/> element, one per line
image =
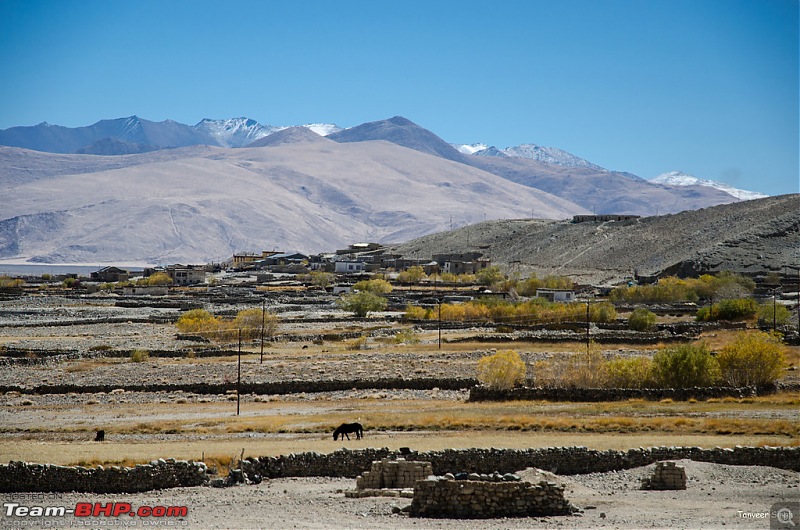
<point x="563" y="460"/>
<point x="478" y="499"/>
<point x="484" y="393"/>
<point x="159" y="474"/>
<point x="277" y="387"/>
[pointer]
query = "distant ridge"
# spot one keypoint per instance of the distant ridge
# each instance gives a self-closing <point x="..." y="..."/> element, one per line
<point x="400" y="131"/>
<point x="750" y="237"/>
<point x="290" y="135"/>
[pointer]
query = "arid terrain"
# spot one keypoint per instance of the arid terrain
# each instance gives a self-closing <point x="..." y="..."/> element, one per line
<point x="86" y="341"/>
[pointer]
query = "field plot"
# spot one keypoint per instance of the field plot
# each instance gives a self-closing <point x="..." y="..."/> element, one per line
<point x="79" y="345"/>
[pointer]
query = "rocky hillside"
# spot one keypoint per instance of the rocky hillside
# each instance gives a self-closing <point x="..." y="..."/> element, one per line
<point x="750" y="237"/>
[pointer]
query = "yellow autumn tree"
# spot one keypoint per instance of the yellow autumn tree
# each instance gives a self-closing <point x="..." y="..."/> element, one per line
<point x="503" y="371"/>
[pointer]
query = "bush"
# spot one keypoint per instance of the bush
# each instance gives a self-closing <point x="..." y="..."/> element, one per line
<point x="629" y="372"/>
<point x="603" y="312"/>
<point x="585" y="370"/>
<point x="406" y="336"/>
<point x="373" y="286"/>
<point x="139" y="356"/>
<point x="159" y="278"/>
<point x="685" y="366"/>
<point x="771" y="312"/>
<point x="250" y="320"/>
<point x="362" y="303"/>
<point x="9" y="283"/>
<point x="359" y="343"/>
<point x="753" y="358"/>
<point x="641" y="319"/>
<point x="414" y="312"/>
<point x="321" y="279"/>
<point x="411" y="275"/>
<point x="731" y="309"/>
<point x="197" y="321"/>
<point x="503" y="370"/>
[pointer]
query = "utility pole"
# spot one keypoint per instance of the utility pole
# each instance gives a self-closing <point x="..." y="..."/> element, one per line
<point x="440" y="324"/>
<point x="773" y="311"/>
<point x="587" y="326"/>
<point x="239" y="374"/>
<point x="263" y="316"/>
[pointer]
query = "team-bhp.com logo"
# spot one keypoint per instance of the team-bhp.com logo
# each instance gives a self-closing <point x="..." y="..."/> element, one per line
<point x="97" y="509"/>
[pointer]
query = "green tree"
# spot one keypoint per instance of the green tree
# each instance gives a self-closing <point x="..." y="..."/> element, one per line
<point x="641" y="319"/>
<point x="362" y="303"/>
<point x="321" y="278"/>
<point x="490" y="275"/>
<point x="685" y="366"/>
<point x="772" y="312"/>
<point x="753" y="358"/>
<point x="732" y="309"/>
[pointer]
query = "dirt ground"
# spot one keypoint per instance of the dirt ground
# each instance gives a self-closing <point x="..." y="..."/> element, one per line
<point x="717" y="496"/>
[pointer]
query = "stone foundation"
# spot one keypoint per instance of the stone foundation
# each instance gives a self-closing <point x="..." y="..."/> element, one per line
<point x="399" y="474"/>
<point x="480" y="499"/>
<point x="666" y="476"/>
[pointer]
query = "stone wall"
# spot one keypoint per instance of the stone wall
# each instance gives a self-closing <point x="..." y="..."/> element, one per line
<point x="159" y="474"/>
<point x="19" y="476"/>
<point x="484" y="393"/>
<point x="278" y="387"/>
<point x="473" y="499"/>
<point x="563" y="460"/>
<point x="388" y="473"/>
<point x="666" y="476"/>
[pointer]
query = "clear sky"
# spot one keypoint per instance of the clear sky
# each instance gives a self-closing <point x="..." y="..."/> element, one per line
<point x="709" y="87"/>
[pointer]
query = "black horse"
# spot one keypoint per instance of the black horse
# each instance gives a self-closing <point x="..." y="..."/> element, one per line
<point x="346" y="428"/>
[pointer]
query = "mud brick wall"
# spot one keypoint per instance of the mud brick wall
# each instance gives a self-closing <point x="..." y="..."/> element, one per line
<point x="159" y="474"/>
<point x="476" y="499"/>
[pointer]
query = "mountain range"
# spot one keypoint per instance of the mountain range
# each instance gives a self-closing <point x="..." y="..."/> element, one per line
<point x="168" y="192"/>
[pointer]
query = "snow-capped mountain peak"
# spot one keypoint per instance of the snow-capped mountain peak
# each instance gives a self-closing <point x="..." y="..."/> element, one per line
<point x="678" y="178"/>
<point x="550" y="155"/>
<point x="235" y="132"/>
<point x="322" y="129"/>
<point x="470" y="149"/>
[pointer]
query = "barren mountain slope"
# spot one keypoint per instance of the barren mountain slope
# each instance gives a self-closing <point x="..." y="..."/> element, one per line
<point x="749" y="237"/>
<point x="19" y="166"/>
<point x="309" y="196"/>
<point x="602" y="192"/>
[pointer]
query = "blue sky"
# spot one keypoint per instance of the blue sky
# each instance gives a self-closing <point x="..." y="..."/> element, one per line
<point x="709" y="87"/>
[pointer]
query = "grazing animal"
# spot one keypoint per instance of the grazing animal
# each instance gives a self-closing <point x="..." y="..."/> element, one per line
<point x="346" y="428"/>
<point x="100" y="436"/>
